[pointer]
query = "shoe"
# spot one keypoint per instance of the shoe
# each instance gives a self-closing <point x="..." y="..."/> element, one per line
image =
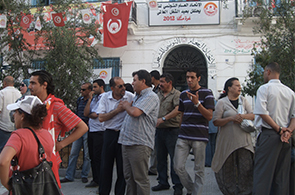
<point x="65" y="180"/>
<point x="160" y="187"/>
<point x="177" y="191"/>
<point x="151" y="173"/>
<point x="84" y="180"/>
<point x="92" y="184"/>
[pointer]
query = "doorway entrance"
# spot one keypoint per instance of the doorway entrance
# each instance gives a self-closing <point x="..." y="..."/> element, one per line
<point x="182" y="58"/>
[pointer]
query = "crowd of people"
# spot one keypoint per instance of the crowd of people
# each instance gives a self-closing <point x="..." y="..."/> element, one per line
<point x="149" y="121"/>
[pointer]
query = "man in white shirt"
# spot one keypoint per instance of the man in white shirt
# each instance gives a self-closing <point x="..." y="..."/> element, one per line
<point x="9" y="94"/>
<point x="112" y="114"/>
<point x="275" y="109"/>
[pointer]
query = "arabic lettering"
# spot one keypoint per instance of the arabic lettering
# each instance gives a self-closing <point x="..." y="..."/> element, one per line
<point x="169" y="45"/>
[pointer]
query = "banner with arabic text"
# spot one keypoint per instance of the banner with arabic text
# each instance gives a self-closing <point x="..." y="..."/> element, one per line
<point x="185" y="13"/>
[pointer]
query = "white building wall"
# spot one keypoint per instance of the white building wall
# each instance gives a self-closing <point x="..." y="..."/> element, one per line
<point x="228" y="46"/>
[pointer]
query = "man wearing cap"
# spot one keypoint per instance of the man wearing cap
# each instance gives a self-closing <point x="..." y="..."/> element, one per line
<point x="9" y="94"/>
<point x="60" y="119"/>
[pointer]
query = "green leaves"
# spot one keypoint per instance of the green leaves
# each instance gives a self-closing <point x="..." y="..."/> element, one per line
<point x="277" y="27"/>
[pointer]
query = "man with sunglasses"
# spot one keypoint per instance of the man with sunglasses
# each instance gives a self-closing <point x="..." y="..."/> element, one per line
<point x="96" y="131"/>
<point x="86" y="88"/>
<point x="112" y="114"/>
<point x="8" y="95"/>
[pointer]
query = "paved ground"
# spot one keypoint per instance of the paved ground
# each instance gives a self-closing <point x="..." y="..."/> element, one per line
<point x="78" y="188"/>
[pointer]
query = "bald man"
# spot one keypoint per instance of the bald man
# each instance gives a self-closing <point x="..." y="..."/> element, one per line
<point x="9" y="94"/>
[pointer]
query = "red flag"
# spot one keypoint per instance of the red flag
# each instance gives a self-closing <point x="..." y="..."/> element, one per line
<point x="47" y="16"/>
<point x="26" y="21"/>
<point x="58" y="19"/>
<point x="115" y="24"/>
<point x="273" y="4"/>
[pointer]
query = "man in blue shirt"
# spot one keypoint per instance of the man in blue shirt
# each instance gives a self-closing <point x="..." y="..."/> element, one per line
<point x="82" y="141"/>
<point x="96" y="131"/>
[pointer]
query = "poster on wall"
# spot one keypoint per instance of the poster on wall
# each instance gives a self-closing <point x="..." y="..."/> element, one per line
<point x="185" y="13"/>
<point x="105" y="74"/>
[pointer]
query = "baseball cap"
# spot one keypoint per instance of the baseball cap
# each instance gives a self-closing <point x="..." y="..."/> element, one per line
<point x="25" y="104"/>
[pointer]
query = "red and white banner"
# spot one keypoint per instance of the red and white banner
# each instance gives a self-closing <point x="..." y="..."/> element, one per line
<point x="3" y="21"/>
<point x="26" y="21"/>
<point x="115" y="24"/>
<point x="58" y="19"/>
<point x="104" y="74"/>
<point x="38" y="24"/>
<point x="86" y="16"/>
<point x="47" y="16"/>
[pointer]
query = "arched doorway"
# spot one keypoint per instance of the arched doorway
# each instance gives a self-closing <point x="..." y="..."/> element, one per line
<point x="182" y="58"/>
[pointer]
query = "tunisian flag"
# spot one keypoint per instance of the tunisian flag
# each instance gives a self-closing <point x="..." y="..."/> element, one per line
<point x="58" y="19"/>
<point x="26" y="21"/>
<point x="115" y="24"/>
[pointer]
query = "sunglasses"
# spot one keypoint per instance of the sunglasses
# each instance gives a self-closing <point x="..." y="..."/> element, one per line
<point x="120" y="86"/>
<point x="22" y="85"/>
<point x="83" y="89"/>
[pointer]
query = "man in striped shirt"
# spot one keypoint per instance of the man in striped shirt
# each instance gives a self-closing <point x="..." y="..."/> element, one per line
<point x="196" y="106"/>
<point x="59" y="118"/>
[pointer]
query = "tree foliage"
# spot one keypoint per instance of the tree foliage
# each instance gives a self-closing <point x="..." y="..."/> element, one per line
<point x="12" y="42"/>
<point x="276" y="24"/>
<point x="68" y="54"/>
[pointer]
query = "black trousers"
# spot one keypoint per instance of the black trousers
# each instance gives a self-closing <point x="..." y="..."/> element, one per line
<point x="95" y="142"/>
<point x="112" y="151"/>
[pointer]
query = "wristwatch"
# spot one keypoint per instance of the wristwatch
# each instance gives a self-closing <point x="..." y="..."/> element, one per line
<point x="163" y="118"/>
<point x="198" y="104"/>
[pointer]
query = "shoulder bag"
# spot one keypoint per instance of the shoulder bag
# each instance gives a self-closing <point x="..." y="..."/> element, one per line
<point x="246" y="125"/>
<point x="39" y="180"/>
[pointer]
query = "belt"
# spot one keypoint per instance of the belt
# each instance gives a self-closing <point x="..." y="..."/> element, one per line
<point x="112" y="130"/>
<point x="264" y="128"/>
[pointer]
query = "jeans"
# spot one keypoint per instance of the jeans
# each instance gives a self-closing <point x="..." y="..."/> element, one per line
<point x="165" y="141"/>
<point x="4" y="136"/>
<point x="210" y="149"/>
<point x="182" y="150"/>
<point x="95" y="142"/>
<point x="135" y="159"/>
<point x="76" y="147"/>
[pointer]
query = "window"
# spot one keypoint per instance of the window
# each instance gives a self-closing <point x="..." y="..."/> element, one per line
<point x="38" y="64"/>
<point x="42" y="2"/>
<point x="113" y="63"/>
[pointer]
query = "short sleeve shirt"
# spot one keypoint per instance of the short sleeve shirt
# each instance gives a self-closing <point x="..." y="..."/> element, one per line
<point x="194" y="125"/>
<point x="94" y="124"/>
<point x="81" y="103"/>
<point x="64" y="119"/>
<point x="107" y="103"/>
<point x="26" y="147"/>
<point x="277" y="101"/>
<point x="167" y="104"/>
<point x="141" y="130"/>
